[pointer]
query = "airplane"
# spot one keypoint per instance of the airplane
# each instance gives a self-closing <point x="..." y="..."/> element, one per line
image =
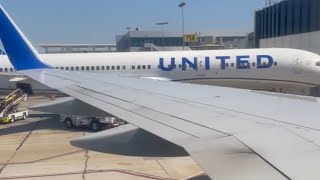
<point x="231" y="133"/>
<point x="277" y="70"/>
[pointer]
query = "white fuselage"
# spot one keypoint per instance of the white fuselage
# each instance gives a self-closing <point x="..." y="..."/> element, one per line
<point x="281" y="70"/>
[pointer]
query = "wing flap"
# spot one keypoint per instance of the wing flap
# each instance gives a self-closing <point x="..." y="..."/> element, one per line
<point x="291" y="153"/>
<point x="228" y="158"/>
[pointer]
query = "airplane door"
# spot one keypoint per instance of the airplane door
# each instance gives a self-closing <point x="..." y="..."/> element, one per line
<point x="201" y="67"/>
<point x="297" y="66"/>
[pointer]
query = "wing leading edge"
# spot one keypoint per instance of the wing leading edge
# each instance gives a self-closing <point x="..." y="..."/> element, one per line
<point x="228" y="136"/>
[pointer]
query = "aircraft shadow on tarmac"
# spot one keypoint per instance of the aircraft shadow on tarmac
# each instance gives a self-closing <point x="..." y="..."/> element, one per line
<point x="140" y="143"/>
<point x="47" y="122"/>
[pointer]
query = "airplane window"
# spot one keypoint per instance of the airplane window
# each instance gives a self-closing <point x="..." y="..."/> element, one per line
<point x="118" y="67"/>
<point x="264" y="63"/>
<point x="57" y="67"/>
<point x="67" y="68"/>
<point x="180" y="66"/>
<point x="139" y="67"/>
<point x="61" y="68"/>
<point x="108" y="67"/>
<point x="227" y="64"/>
<point x="82" y="68"/>
<point x="275" y="63"/>
<point x="5" y="69"/>
<point x="0" y="69"/>
<point x="77" y="68"/>
<point x="11" y="69"/>
<point x="72" y="68"/>
<point x="123" y="67"/>
<point x="149" y="66"/>
<point x="87" y="68"/>
<point x="133" y="67"/>
<point x="102" y="67"/>
<point x="144" y="67"/>
<point x="92" y="68"/>
<point x="98" y="68"/>
<point x="253" y="64"/>
<point x="113" y="67"/>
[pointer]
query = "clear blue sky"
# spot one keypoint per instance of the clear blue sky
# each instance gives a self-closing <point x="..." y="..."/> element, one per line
<point x="99" y="21"/>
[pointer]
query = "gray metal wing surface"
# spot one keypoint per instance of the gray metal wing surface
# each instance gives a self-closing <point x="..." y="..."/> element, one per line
<point x="230" y="133"/>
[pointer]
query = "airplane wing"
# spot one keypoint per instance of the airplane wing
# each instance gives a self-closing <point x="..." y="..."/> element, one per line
<point x="230" y="133"/>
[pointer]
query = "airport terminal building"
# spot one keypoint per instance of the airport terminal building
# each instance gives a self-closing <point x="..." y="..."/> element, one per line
<point x="172" y="41"/>
<point x="289" y="24"/>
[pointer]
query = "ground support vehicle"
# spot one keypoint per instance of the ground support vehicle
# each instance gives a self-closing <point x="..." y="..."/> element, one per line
<point x="94" y="123"/>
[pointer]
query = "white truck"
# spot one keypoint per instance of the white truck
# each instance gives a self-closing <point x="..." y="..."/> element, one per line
<point x="15" y="115"/>
<point x="94" y="123"/>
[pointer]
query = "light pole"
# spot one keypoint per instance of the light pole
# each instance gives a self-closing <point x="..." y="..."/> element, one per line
<point x="182" y="4"/>
<point x="162" y="24"/>
<point x="129" y="33"/>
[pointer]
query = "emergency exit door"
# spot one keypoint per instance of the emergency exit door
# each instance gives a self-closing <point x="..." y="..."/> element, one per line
<point x="297" y="66"/>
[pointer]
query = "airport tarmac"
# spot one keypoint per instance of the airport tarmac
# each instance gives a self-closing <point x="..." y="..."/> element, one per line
<point x="38" y="148"/>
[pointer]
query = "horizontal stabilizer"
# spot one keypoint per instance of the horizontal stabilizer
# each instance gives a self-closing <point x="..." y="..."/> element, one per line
<point x="17" y="79"/>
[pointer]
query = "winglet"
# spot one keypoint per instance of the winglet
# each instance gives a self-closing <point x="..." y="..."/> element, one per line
<point x="21" y="53"/>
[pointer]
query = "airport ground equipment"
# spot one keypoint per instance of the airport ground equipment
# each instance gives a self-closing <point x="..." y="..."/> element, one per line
<point x="15" y="115"/>
<point x="94" y="123"/>
<point x="8" y="106"/>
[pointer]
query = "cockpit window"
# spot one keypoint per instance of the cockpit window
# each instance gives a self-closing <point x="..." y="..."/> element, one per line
<point x="318" y="63"/>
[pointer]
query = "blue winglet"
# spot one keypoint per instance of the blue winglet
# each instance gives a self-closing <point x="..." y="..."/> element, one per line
<point x="19" y="50"/>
